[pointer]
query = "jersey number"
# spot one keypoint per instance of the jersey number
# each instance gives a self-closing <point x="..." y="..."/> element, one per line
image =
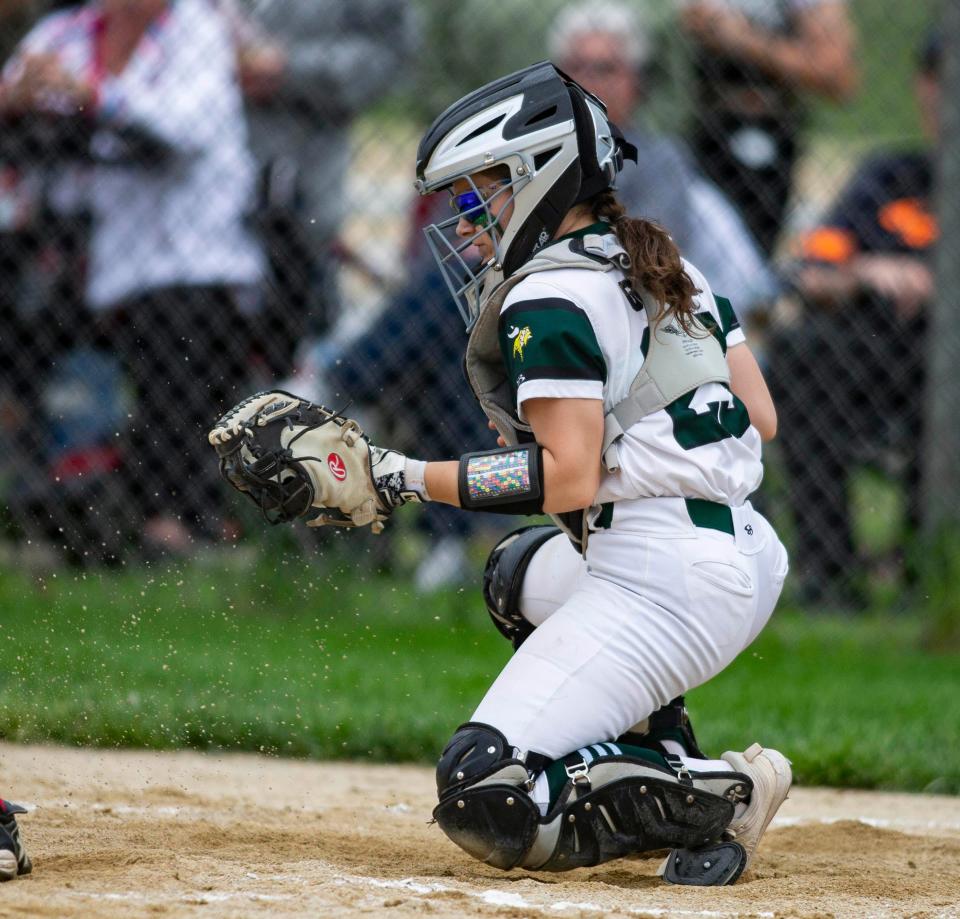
<point x="696" y="424"/>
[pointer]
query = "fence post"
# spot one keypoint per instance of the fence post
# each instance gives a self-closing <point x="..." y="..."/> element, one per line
<point x="941" y="447"/>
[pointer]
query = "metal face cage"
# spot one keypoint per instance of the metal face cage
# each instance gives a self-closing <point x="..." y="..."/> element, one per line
<point x="458" y="258"/>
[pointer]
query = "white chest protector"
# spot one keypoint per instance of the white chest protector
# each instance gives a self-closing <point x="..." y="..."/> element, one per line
<point x="676" y="362"/>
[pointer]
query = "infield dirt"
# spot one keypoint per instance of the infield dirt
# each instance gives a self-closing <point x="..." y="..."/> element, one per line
<point x="119" y="834"/>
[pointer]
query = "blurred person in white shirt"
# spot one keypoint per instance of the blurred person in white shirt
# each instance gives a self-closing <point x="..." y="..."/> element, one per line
<point x="173" y="270"/>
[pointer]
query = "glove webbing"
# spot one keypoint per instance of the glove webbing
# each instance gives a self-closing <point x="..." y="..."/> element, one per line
<point x="277" y="503"/>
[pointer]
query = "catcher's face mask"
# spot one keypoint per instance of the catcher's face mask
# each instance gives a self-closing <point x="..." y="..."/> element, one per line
<point x="546" y="132"/>
<point x="467" y="245"/>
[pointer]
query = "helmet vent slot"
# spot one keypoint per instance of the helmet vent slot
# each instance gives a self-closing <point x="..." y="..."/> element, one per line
<point x="486" y="126"/>
<point x="542" y="116"/>
<point x="543" y="157"/>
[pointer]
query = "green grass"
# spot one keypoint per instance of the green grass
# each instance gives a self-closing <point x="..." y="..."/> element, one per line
<point x="852" y="702"/>
<point x="298" y="660"/>
<point x="210" y="658"/>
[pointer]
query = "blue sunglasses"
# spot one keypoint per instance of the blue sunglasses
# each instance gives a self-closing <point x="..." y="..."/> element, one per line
<point x="472" y="205"/>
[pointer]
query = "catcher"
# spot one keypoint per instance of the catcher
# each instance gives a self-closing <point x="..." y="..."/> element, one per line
<point x="630" y="409"/>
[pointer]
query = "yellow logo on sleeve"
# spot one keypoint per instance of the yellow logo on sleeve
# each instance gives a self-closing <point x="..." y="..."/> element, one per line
<point x="520" y="339"/>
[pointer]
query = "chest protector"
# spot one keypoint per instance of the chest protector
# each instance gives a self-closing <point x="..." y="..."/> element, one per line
<point x="676" y="362"/>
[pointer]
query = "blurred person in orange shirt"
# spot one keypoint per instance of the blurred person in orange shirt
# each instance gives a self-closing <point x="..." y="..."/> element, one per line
<point x="848" y="377"/>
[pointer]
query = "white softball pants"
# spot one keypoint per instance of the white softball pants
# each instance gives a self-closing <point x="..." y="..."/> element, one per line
<point x="658" y="607"/>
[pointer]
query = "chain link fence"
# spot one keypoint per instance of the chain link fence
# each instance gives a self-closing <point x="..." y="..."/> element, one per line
<point x="199" y="198"/>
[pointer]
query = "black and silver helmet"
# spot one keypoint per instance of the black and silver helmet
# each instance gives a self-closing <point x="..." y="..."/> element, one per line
<point x="554" y="141"/>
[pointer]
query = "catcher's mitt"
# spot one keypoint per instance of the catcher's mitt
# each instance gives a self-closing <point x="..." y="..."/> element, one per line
<point x="288" y="455"/>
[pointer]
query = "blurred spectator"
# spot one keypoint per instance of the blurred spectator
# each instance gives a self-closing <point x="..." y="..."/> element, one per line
<point x="173" y="271"/>
<point x="604" y="47"/>
<point x="39" y="258"/>
<point x="848" y="376"/>
<point x="308" y="67"/>
<point x="753" y="63"/>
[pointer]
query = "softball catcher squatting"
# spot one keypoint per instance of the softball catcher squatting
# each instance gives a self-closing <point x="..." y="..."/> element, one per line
<point x="630" y="409"/>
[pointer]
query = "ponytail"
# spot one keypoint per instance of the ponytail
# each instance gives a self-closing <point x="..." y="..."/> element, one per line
<point x="655" y="264"/>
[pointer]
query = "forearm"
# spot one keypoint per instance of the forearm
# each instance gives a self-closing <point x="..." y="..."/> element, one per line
<point x="828" y="286"/>
<point x="441" y="480"/>
<point x="186" y="109"/>
<point x="822" y="67"/>
<point x="184" y="124"/>
<point x="320" y="460"/>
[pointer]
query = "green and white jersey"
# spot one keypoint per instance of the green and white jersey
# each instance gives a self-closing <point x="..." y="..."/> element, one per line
<point x="572" y="333"/>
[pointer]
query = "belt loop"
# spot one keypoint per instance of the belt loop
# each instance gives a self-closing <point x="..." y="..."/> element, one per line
<point x="710" y="514"/>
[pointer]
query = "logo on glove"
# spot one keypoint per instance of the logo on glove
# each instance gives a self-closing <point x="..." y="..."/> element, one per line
<point x="337" y="467"/>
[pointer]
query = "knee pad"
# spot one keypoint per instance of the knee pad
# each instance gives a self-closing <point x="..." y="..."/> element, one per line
<point x="484" y="804"/>
<point x="503" y="579"/>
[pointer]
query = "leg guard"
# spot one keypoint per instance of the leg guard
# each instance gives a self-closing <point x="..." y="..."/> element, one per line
<point x="503" y="579"/>
<point x="615" y="806"/>
<point x="619" y="805"/>
<point x="484" y="805"/>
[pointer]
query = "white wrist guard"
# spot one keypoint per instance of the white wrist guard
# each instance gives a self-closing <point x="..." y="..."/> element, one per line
<point x="388" y="469"/>
<point x="414" y="472"/>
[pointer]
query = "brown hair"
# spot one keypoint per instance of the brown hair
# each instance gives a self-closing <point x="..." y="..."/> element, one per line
<point x="655" y="260"/>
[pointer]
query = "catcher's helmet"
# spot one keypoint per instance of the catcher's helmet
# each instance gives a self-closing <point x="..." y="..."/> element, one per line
<point x="559" y="147"/>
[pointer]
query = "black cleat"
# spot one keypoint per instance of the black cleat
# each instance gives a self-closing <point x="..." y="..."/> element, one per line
<point x="13" y="856"/>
